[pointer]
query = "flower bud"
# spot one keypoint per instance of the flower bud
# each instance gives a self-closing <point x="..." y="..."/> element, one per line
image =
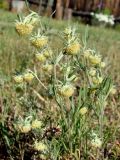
<point x="83" y="110"/>
<point x="94" y="59"/>
<point x="92" y="72"/>
<point x="67" y="90"/>
<point x="18" y="78"/>
<point x="102" y="64"/>
<point x="40" y="57"/>
<point x="48" y="68"/>
<point x="36" y="124"/>
<point x="28" y="77"/>
<point x="97" y="80"/>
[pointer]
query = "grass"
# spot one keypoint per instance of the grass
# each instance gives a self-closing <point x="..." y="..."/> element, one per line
<point x="16" y="54"/>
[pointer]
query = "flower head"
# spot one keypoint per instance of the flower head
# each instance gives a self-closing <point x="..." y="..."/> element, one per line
<point x="36" y="124"/>
<point x="67" y="90"/>
<point x="28" y="77"/>
<point x="102" y="64"/>
<point x="23" y="29"/>
<point x="96" y="142"/>
<point x="39" y="146"/>
<point x="40" y="57"/>
<point x="47" y="53"/>
<point x="43" y="156"/>
<point x="97" y="80"/>
<point x="18" y="78"/>
<point x="83" y="110"/>
<point x="39" y="42"/>
<point x="92" y="72"/>
<point x="87" y="54"/>
<point x="24" y="128"/>
<point x="25" y="25"/>
<point x="69" y="33"/>
<point x="94" y="59"/>
<point x="73" y="48"/>
<point x="48" y="68"/>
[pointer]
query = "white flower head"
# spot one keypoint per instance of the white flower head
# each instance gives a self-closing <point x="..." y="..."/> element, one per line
<point x="96" y="141"/>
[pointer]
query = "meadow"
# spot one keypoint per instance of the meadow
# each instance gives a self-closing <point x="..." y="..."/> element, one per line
<point x="23" y="101"/>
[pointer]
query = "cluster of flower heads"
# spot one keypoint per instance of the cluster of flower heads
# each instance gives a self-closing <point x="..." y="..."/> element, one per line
<point x="71" y="48"/>
<point x="24" y="27"/>
<point x="43" y="51"/>
<point x="25" y="77"/>
<point x="95" y="64"/>
<point x="28" y="124"/>
<point x="66" y="89"/>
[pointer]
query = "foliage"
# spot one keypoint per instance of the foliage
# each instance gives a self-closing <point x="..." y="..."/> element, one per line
<point x="4" y="4"/>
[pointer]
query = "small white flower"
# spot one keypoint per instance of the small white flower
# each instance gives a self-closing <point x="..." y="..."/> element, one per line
<point x="97" y="143"/>
<point x="108" y="19"/>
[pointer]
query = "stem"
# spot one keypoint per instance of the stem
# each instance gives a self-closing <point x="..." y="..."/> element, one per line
<point x="101" y="121"/>
<point x="41" y="82"/>
<point x="38" y="79"/>
<point x="56" y="99"/>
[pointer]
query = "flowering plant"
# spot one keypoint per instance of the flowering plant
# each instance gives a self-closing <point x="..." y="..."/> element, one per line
<point x="60" y="99"/>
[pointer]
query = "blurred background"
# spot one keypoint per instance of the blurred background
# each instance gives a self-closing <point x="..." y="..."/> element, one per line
<point x="82" y="10"/>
